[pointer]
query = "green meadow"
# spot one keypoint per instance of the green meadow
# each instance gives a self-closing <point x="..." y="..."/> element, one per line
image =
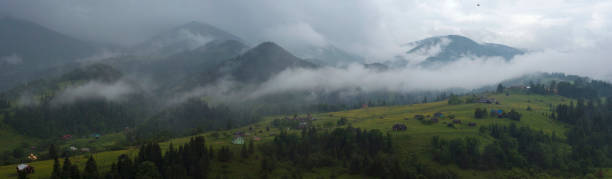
<point x="415" y="140"/>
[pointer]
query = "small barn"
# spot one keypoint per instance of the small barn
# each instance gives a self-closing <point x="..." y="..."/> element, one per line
<point x="399" y="127"/>
<point x="25" y="168"/>
<point x="238" y="140"/>
<point x="472" y="124"/>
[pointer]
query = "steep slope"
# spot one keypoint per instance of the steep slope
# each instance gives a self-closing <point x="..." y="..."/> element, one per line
<point x="328" y="55"/>
<point x="440" y="50"/>
<point x="174" y="68"/>
<point x="183" y="38"/>
<point x="415" y="140"/>
<point x="28" y="51"/>
<point x="259" y="64"/>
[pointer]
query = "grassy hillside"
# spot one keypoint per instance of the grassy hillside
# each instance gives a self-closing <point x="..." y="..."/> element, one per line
<point x="414" y="140"/>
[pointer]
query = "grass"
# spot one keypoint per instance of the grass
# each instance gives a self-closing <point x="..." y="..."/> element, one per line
<point x="10" y="139"/>
<point x="414" y="140"/>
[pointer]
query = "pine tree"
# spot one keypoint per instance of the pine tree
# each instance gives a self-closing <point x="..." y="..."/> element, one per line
<point x="57" y="173"/>
<point x="22" y="175"/>
<point x="148" y="169"/>
<point x="244" y="153"/>
<point x="211" y="152"/>
<point x="74" y="172"/>
<point x="52" y="151"/>
<point x="91" y="169"/>
<point x="66" y="168"/>
<point x="500" y="88"/>
<point x="251" y="147"/>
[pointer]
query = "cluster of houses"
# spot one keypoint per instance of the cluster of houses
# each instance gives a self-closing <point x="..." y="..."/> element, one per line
<point x="75" y="149"/>
<point x="434" y="119"/>
<point x="303" y="120"/>
<point x="240" y="137"/>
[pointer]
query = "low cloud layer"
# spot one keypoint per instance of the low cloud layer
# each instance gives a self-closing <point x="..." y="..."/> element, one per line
<point x="467" y="73"/>
<point x="116" y="91"/>
<point x="11" y="60"/>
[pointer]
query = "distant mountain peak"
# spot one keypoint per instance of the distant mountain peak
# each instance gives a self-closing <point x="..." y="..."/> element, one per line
<point x="186" y="37"/>
<point x="439" y="50"/>
<point x="260" y="63"/>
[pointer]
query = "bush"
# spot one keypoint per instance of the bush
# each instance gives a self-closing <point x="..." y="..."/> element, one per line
<point x="513" y="115"/>
<point x="480" y="113"/>
<point x="342" y="121"/>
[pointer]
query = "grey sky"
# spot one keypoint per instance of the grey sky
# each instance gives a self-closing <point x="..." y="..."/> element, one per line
<point x="373" y="29"/>
<point x="354" y="25"/>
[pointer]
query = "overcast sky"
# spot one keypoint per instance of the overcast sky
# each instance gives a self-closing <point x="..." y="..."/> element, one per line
<point x="571" y="36"/>
<point x="373" y="29"/>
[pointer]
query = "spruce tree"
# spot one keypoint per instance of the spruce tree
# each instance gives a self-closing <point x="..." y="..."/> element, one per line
<point x="244" y="153"/>
<point x="91" y="169"/>
<point x="147" y="169"/>
<point x="66" y="168"/>
<point x="22" y="175"/>
<point x="251" y="147"/>
<point x="52" y="151"/>
<point x="74" y="172"/>
<point x="57" y="173"/>
<point x="211" y="152"/>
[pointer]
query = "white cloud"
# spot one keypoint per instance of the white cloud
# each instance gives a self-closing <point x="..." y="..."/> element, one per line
<point x="116" y="91"/>
<point x="11" y="60"/>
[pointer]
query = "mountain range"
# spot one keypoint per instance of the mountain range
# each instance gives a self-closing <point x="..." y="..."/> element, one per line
<point x="198" y="54"/>
<point x="29" y="51"/>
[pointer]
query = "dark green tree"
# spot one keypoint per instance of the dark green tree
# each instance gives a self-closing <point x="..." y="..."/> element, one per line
<point x="74" y="172"/>
<point x="52" y="151"/>
<point x="244" y="153"/>
<point x="57" y="169"/>
<point x="251" y="147"/>
<point x="91" y="169"/>
<point x="500" y="88"/>
<point x="66" y="168"/>
<point x="147" y="170"/>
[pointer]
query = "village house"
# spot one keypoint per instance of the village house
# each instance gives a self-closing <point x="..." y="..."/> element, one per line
<point x="25" y="168"/>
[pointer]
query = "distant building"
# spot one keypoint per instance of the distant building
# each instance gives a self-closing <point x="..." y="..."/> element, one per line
<point x="438" y="114"/>
<point x="487" y="100"/>
<point x="32" y="157"/>
<point x="25" y="168"/>
<point x="238" y="140"/>
<point x="399" y="127"/>
<point x="67" y="137"/>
